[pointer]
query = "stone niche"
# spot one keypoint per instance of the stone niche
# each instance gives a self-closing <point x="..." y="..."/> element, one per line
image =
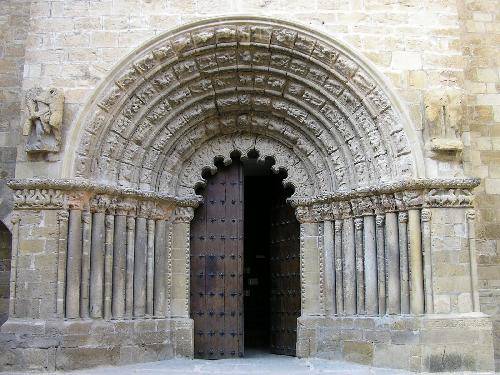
<point x="101" y="255"/>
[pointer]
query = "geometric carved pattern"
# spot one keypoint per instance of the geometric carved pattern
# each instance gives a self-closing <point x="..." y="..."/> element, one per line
<point x="234" y="84"/>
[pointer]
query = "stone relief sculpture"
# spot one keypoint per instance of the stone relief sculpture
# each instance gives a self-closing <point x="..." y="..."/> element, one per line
<point x="443" y="117"/>
<point x="44" y="122"/>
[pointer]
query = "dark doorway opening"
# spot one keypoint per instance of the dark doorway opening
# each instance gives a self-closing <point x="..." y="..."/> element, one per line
<point x="245" y="281"/>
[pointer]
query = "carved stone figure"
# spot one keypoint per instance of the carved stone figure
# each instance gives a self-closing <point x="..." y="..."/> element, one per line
<point x="44" y="122"/>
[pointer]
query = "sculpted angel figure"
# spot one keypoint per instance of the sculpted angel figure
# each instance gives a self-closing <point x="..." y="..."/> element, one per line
<point x="43" y="125"/>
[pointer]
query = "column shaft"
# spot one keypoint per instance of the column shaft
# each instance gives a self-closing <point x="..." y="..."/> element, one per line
<point x="380" y="221"/>
<point x="97" y="265"/>
<point x="349" y="266"/>
<point x="471" y="231"/>
<point x="403" y="262"/>
<point x="16" y="219"/>
<point x="339" y="288"/>
<point x="129" y="288"/>
<point x="108" y="265"/>
<point x="140" y="267"/>
<point x="415" y="263"/>
<point x="426" y="245"/>
<point x="328" y="248"/>
<point x="84" y="301"/>
<point x="392" y="263"/>
<point x="160" y="269"/>
<point x="62" y="251"/>
<point x="150" y="267"/>
<point x="119" y="266"/>
<point x="370" y="248"/>
<point x="360" y="277"/>
<point x="74" y="264"/>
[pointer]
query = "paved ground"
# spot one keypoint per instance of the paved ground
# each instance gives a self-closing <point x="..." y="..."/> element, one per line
<point x="254" y="363"/>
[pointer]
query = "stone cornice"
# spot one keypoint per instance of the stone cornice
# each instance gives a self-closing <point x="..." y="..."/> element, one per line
<point x="415" y="187"/>
<point x="58" y="193"/>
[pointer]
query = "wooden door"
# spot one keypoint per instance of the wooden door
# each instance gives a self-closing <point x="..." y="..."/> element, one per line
<point x="217" y="267"/>
<point x="285" y="277"/>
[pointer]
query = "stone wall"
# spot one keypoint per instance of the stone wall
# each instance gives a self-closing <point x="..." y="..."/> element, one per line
<point x="14" y="26"/>
<point x="480" y="27"/>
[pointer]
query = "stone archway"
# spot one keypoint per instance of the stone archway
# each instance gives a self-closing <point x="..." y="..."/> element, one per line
<point x="372" y="231"/>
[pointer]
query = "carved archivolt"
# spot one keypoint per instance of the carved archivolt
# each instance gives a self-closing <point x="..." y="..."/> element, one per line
<point x="214" y="84"/>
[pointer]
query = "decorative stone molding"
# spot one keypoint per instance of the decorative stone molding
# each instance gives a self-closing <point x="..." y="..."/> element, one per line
<point x="44" y="122"/>
<point x="60" y="193"/>
<point x="388" y="198"/>
<point x="327" y="119"/>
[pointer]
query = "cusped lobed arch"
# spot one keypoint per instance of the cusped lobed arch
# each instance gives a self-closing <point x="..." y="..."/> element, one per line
<point x="244" y="84"/>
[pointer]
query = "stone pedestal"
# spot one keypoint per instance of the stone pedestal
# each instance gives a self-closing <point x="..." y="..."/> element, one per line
<point x="54" y="344"/>
<point x="434" y="343"/>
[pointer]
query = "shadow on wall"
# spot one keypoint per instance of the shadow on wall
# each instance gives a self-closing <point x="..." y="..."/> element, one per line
<point x="5" y="259"/>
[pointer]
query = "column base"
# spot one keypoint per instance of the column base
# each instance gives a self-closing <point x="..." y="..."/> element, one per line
<point x="431" y="343"/>
<point x="49" y="345"/>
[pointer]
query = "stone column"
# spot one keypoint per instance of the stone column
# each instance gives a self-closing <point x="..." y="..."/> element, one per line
<point x="15" y="219"/>
<point x="309" y="269"/>
<point x="415" y="262"/>
<point x="370" y="248"/>
<point x="403" y="262"/>
<point x="129" y="284"/>
<point x="119" y="263"/>
<point x="84" y="300"/>
<point x="74" y="264"/>
<point x="140" y="259"/>
<point x="181" y="261"/>
<point x="97" y="265"/>
<point x="360" y="274"/>
<point x="349" y="266"/>
<point x="471" y="234"/>
<point x="339" y="288"/>
<point x="108" y="264"/>
<point x="380" y="221"/>
<point x="392" y="264"/>
<point x="329" y="249"/>
<point x="62" y="251"/>
<point x="160" y="268"/>
<point x="426" y="244"/>
<point x="150" y="267"/>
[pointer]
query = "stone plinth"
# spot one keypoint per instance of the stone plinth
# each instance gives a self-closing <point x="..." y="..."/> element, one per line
<point x="435" y="343"/>
<point x="48" y="345"/>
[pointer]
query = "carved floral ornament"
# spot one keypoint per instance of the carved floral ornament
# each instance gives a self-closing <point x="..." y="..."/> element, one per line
<point x="243" y="84"/>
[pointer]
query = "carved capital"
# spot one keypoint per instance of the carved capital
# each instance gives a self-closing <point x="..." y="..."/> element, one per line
<point x="130" y="223"/>
<point x="62" y="216"/>
<point x="425" y="215"/>
<point x="358" y="223"/>
<point x="303" y="214"/>
<point x="403" y="217"/>
<point x="15" y="218"/>
<point x="338" y="225"/>
<point x="380" y="219"/>
<point x="183" y="214"/>
<point x="470" y="215"/>
<point x="86" y="217"/>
